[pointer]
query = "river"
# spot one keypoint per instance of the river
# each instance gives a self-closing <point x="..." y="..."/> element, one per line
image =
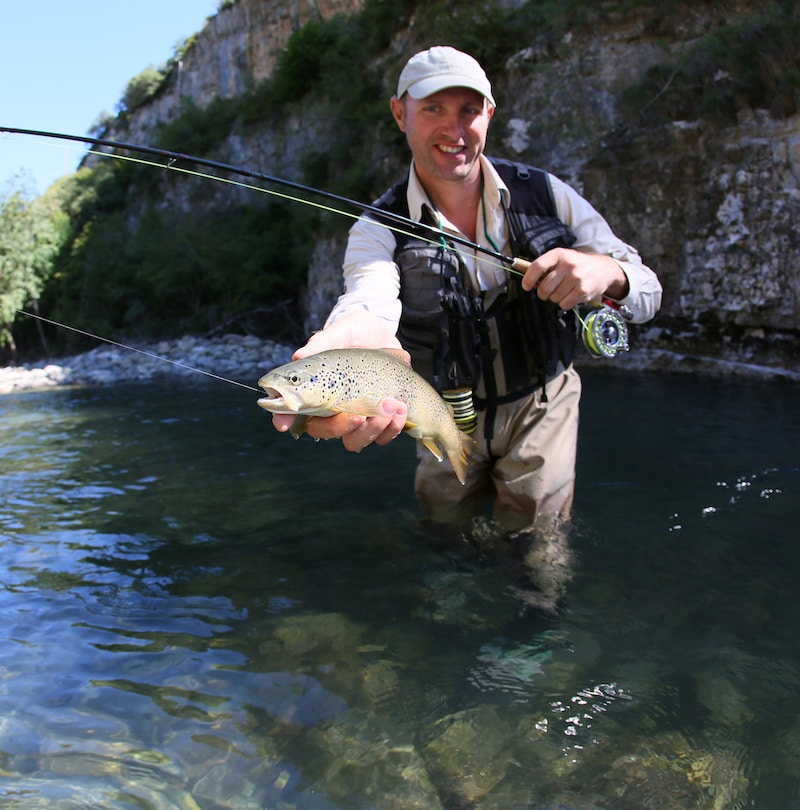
<point x="199" y="612"/>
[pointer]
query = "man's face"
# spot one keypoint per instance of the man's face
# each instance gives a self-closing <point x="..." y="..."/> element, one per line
<point x="445" y="131"/>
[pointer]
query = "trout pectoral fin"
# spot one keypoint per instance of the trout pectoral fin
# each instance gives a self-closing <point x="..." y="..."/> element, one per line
<point x="298" y="427"/>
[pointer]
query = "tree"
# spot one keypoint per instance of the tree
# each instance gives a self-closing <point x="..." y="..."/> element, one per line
<point x="31" y="231"/>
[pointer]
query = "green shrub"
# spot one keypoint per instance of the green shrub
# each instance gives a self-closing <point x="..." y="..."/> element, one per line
<point x="196" y="131"/>
<point x="754" y="64"/>
<point x="141" y="89"/>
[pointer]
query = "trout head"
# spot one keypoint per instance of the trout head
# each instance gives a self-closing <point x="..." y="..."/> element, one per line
<point x="295" y="388"/>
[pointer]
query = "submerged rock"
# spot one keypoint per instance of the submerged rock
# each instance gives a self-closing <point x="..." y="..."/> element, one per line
<point x="361" y="759"/>
<point x="333" y="633"/>
<point x="669" y="773"/>
<point x="468" y="754"/>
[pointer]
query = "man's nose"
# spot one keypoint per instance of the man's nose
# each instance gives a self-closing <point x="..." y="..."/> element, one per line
<point x="451" y="124"/>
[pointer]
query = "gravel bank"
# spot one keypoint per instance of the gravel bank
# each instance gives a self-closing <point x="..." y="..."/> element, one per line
<point x="246" y="358"/>
<point x="237" y="357"/>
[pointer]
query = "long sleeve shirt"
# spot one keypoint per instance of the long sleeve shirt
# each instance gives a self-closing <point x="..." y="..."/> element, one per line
<point x="372" y="279"/>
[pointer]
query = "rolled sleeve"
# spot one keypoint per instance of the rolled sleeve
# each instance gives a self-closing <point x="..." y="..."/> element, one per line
<point x="594" y="235"/>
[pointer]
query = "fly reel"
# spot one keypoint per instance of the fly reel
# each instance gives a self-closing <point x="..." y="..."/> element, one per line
<point x="604" y="332"/>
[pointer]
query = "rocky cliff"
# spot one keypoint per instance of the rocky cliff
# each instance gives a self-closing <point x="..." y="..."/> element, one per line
<point x="712" y="207"/>
<point x="238" y="48"/>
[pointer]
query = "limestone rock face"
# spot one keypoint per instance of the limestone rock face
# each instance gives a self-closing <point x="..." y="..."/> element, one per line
<point x="237" y="48"/>
<point x="712" y="209"/>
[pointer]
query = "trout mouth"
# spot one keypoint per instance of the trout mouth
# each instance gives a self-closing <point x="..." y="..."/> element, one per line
<point x="280" y="401"/>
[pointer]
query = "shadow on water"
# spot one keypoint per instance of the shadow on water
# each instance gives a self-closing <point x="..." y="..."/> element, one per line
<point x="200" y="613"/>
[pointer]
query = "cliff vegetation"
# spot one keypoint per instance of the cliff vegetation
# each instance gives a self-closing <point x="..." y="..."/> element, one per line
<point x="680" y="121"/>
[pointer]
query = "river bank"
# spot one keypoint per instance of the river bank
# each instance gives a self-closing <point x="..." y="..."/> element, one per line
<point x="243" y="358"/>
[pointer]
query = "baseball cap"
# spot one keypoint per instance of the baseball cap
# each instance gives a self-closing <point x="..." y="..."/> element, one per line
<point x="440" y="67"/>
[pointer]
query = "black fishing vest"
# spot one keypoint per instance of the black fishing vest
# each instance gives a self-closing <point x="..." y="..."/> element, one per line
<point x="503" y="342"/>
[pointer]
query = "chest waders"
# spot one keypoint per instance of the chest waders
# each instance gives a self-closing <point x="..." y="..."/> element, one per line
<point x="497" y="345"/>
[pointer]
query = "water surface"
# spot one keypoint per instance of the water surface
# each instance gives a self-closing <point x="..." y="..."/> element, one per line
<point x="201" y="613"/>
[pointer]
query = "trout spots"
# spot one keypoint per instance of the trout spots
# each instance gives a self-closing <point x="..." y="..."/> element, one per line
<point x="355" y="381"/>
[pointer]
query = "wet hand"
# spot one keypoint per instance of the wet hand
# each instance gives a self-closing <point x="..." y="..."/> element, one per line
<point x="569" y="277"/>
<point x="356" y="432"/>
<point x="358" y="330"/>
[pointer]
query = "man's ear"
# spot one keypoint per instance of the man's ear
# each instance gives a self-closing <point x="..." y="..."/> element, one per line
<point x="399" y="112"/>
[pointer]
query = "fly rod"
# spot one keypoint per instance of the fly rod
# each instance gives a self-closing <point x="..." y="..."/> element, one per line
<point x="517" y="265"/>
<point x="604" y="330"/>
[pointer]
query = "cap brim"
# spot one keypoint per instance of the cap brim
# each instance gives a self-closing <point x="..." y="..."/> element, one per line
<point x="427" y="87"/>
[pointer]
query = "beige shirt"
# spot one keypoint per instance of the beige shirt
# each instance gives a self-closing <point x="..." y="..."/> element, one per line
<point x="372" y="279"/>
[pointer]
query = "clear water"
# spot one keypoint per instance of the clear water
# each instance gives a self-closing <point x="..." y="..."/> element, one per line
<point x="198" y="612"/>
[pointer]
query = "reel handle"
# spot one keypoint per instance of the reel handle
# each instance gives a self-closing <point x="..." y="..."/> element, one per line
<point x="604" y="331"/>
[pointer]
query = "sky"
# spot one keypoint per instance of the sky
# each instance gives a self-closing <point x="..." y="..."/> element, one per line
<point x="63" y="64"/>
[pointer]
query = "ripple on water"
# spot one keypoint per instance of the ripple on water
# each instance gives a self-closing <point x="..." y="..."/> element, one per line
<point x="198" y="613"/>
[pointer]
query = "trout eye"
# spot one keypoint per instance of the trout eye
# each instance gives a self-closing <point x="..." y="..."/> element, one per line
<point x="294" y="378"/>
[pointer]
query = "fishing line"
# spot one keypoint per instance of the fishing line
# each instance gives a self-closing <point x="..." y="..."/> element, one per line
<point x="604" y="332"/>
<point x="378" y="215"/>
<point x="282" y="195"/>
<point x="140" y="351"/>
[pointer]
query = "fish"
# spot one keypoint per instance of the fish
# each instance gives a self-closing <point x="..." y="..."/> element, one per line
<point x="354" y="381"/>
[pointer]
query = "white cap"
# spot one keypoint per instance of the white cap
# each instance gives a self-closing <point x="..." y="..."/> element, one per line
<point x="441" y="67"/>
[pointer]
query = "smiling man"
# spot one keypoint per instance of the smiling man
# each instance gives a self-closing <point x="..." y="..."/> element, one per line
<point x="471" y="328"/>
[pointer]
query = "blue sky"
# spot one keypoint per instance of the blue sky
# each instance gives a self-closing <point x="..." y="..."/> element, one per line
<point x="63" y="64"/>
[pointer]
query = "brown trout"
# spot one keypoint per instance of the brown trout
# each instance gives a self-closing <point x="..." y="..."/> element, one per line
<point x="354" y="381"/>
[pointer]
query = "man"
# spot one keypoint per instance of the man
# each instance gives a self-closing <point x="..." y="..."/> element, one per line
<point x="467" y="322"/>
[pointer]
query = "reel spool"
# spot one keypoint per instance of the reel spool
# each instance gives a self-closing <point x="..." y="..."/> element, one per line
<point x="605" y="333"/>
<point x="460" y="399"/>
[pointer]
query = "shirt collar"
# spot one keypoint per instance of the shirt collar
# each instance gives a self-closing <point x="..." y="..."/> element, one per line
<point x="495" y="190"/>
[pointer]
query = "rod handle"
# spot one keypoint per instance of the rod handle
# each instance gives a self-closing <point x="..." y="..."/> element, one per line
<point x="521" y="266"/>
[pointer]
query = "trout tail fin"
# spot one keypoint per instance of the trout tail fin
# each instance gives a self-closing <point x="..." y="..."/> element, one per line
<point x="460" y="456"/>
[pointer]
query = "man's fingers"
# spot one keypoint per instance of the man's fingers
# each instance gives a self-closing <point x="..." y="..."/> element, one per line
<point x="282" y="421"/>
<point x="397" y="412"/>
<point x="536" y="273"/>
<point x="380" y="429"/>
<point x="356" y="432"/>
<point x="334" y="427"/>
